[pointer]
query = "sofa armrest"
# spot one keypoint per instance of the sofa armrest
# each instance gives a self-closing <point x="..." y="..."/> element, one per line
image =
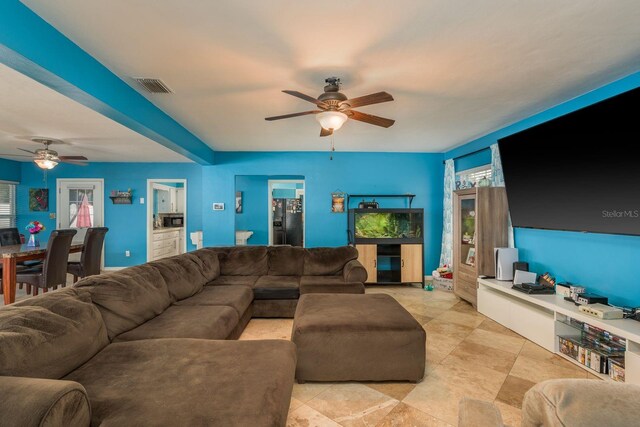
<point x="353" y="271"/>
<point x="41" y="402"/>
<point x="581" y="402"/>
<point x="477" y="413"/>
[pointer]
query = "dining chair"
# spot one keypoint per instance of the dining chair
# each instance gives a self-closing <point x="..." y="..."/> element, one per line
<point x="91" y="256"/>
<point x="8" y="237"/>
<point x="53" y="271"/>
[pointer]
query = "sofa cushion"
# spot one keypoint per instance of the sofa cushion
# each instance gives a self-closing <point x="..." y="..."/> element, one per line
<point x="37" y="402"/>
<point x="205" y="322"/>
<point x="327" y="261"/>
<point x="186" y="382"/>
<point x="277" y="287"/>
<point x="235" y="280"/>
<point x="51" y="335"/>
<point x="183" y="274"/>
<point x="581" y="402"/>
<point x="244" y="261"/>
<point x="211" y="264"/>
<point x="329" y="285"/>
<point x="238" y="297"/>
<point x="286" y="261"/>
<point x="127" y="298"/>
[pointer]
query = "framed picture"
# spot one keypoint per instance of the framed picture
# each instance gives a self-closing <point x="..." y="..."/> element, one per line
<point x="337" y="202"/>
<point x="218" y="206"/>
<point x="471" y="257"/>
<point x="238" y="202"/>
<point x="39" y="199"/>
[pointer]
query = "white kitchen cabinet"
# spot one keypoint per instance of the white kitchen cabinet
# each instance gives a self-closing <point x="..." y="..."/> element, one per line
<point x="180" y="208"/>
<point x="166" y="244"/>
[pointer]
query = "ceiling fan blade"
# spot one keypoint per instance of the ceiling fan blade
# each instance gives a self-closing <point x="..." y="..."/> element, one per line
<point x="73" y="162"/>
<point x="286" y="116"/>
<point x="326" y="132"/>
<point x="26" y="151"/>
<point x="374" y="98"/>
<point x="14" y="155"/>
<point x="73" y="158"/>
<point x="368" y="118"/>
<point x="306" y="98"/>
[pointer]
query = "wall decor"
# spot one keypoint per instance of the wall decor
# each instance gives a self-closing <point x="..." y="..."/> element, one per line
<point x="121" y="197"/>
<point x="238" y="202"/>
<point x="337" y="202"/>
<point x="39" y="199"/>
<point x="218" y="206"/>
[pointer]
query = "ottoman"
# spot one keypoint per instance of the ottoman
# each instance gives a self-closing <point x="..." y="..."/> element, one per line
<point x="343" y="337"/>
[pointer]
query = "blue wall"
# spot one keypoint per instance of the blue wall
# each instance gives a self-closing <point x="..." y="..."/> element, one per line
<point x="419" y="173"/>
<point x="254" y="216"/>
<point x="284" y="193"/>
<point x="605" y="264"/>
<point x="473" y="160"/>
<point x="9" y="170"/>
<point x="127" y="223"/>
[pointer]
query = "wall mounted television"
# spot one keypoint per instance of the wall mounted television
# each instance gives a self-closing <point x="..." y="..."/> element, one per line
<point x="575" y="173"/>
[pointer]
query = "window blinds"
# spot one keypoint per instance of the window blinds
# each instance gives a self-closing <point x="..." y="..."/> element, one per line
<point x="7" y="205"/>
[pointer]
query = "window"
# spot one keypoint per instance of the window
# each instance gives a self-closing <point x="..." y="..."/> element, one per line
<point x="7" y="205"/>
<point x="472" y="176"/>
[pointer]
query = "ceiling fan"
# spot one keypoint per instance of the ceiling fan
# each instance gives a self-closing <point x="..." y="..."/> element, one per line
<point x="335" y="108"/>
<point x="46" y="158"/>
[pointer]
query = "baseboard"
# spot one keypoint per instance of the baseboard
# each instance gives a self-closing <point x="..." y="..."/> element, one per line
<point x="113" y="268"/>
<point x="428" y="278"/>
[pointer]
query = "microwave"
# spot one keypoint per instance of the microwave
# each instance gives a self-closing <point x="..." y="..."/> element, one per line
<point x="173" y="221"/>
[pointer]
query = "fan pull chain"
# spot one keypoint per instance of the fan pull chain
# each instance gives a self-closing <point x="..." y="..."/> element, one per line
<point x="333" y="148"/>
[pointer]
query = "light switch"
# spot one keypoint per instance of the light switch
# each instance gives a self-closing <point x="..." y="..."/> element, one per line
<point x="52" y="215"/>
<point x="142" y="200"/>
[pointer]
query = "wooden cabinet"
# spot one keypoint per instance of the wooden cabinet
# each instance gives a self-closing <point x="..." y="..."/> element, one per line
<point x="411" y="264"/>
<point x="480" y="221"/>
<point x="368" y="257"/>
<point x="392" y="263"/>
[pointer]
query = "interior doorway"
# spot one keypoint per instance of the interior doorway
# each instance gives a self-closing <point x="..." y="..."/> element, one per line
<point x="166" y="218"/>
<point x="286" y="212"/>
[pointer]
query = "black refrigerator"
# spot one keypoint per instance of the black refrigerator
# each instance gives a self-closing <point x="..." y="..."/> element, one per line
<point x="287" y="222"/>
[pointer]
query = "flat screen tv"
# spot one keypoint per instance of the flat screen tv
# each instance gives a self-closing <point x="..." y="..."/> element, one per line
<point x="576" y="172"/>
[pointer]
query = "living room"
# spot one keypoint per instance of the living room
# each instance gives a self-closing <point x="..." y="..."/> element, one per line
<point x="449" y="82"/>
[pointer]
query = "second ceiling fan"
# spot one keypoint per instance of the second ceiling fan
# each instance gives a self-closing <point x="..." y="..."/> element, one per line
<point x="335" y="108"/>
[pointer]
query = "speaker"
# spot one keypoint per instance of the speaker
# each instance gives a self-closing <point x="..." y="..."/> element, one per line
<point x="520" y="265"/>
<point x="504" y="258"/>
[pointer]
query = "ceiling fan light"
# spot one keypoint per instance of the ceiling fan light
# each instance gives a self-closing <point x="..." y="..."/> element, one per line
<point x="331" y="119"/>
<point x="46" y="163"/>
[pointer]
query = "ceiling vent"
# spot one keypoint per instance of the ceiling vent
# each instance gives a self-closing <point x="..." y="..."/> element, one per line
<point x="153" y="85"/>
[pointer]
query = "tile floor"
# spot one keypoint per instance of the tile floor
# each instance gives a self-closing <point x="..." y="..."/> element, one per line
<point x="467" y="355"/>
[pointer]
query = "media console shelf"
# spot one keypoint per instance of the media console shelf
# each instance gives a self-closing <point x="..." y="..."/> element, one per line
<point x="543" y="318"/>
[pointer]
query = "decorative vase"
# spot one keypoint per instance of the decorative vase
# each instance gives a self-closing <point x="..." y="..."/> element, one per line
<point x="33" y="241"/>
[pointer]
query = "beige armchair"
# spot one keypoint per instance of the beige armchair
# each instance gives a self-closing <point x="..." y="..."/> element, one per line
<point x="563" y="403"/>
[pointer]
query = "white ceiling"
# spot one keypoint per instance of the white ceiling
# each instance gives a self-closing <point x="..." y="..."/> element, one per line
<point x="457" y="69"/>
<point x="28" y="108"/>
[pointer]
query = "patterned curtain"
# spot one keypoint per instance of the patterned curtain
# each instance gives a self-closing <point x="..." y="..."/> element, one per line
<point x="446" y="256"/>
<point x="497" y="180"/>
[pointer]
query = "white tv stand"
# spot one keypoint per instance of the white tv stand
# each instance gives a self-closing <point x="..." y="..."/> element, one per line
<point x="539" y="319"/>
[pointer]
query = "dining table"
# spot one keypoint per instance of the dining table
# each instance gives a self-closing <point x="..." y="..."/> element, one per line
<point x="12" y="255"/>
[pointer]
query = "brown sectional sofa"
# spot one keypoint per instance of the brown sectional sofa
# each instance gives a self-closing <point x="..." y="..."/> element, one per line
<point x="278" y="275"/>
<point x="153" y="344"/>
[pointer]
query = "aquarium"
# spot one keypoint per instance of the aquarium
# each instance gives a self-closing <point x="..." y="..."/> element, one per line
<point x="382" y="224"/>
